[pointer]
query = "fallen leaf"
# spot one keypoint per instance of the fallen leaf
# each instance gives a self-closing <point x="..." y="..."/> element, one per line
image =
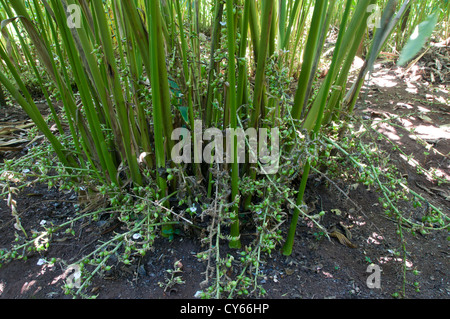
<point x="426" y="118"/>
<point x="334" y="232"/>
<point x="347" y="232"/>
<point x="336" y="211"/>
<point x="289" y="271"/>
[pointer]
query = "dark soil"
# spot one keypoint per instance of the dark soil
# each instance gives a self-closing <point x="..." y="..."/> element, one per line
<point x="317" y="268"/>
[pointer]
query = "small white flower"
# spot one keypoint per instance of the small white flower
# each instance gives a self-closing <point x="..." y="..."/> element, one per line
<point x="43" y="222"/>
<point x="41" y="261"/>
<point x="193" y="209"/>
<point x="77" y="275"/>
<point x="137" y="236"/>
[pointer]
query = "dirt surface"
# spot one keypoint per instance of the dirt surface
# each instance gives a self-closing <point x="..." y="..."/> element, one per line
<point x="317" y="268"/>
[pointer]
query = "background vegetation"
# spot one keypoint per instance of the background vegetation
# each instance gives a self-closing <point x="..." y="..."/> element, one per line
<point x="117" y="86"/>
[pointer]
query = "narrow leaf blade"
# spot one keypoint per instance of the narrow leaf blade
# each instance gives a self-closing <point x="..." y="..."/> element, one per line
<point x="417" y="40"/>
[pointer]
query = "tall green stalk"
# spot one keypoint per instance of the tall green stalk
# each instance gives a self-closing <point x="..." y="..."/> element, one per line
<point x="339" y="75"/>
<point x="243" y="64"/>
<point x="261" y="63"/>
<point x="258" y="92"/>
<point x="162" y="118"/>
<point x="189" y="83"/>
<point x="213" y="65"/>
<point x="234" y="232"/>
<point x="308" y="57"/>
<point x="313" y="40"/>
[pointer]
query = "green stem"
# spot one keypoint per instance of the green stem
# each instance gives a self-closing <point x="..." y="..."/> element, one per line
<point x="213" y="65"/>
<point x="288" y="245"/>
<point x="234" y="231"/>
<point x="313" y="39"/>
<point x="258" y="93"/>
<point x="308" y="58"/>
<point x="261" y="63"/>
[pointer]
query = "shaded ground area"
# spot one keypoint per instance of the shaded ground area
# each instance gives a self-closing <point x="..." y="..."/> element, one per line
<point x="393" y="102"/>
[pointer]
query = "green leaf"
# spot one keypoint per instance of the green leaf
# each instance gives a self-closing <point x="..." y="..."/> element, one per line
<point x="184" y="113"/>
<point x="417" y="40"/>
<point x="174" y="87"/>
